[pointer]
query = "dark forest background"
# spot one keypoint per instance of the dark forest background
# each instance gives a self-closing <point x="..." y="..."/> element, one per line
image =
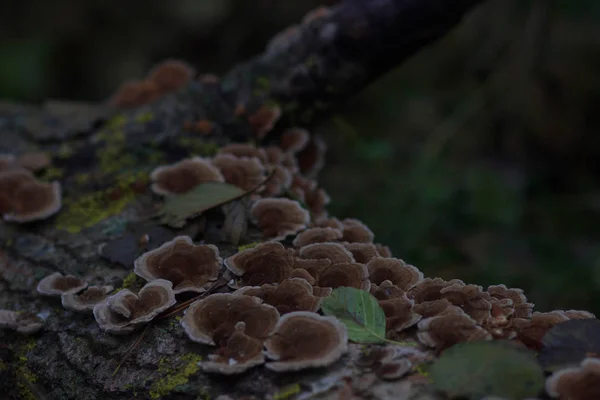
<point x="477" y="159"/>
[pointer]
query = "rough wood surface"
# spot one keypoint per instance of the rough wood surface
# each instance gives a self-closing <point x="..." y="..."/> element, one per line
<point x="102" y="158"/>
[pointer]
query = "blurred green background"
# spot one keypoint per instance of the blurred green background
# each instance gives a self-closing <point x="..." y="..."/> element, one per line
<point x="477" y="159"/>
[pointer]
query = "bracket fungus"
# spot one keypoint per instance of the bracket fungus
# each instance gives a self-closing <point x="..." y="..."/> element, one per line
<point x="243" y="172"/>
<point x="34" y="161"/>
<point x="362" y="252"/>
<point x="395" y="270"/>
<point x="241" y="353"/>
<point x="443" y="331"/>
<point x="334" y="252"/>
<point x="312" y="157"/>
<point x="291" y="295"/>
<point x="263" y="119"/>
<point x="317" y="235"/>
<point x="20" y="321"/>
<point x="355" y="231"/>
<point x="279" y="217"/>
<point x="269" y="262"/>
<point x="183" y="176"/>
<point x="577" y="383"/>
<point x="171" y="75"/>
<point x="189" y="267"/>
<point x="522" y="309"/>
<point x="212" y="320"/>
<point x="311" y="266"/>
<point x="86" y="300"/>
<point x="345" y="274"/>
<point x="279" y="182"/>
<point x="294" y="139"/>
<point x="57" y="284"/>
<point x="124" y="311"/>
<point x="305" y="340"/>
<point x="244" y="150"/>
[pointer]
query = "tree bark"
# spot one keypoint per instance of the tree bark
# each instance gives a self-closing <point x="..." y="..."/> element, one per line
<point x="102" y="158"/>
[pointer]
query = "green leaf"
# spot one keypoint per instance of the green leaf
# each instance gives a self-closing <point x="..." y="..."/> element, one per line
<point x="359" y="311"/>
<point x="568" y="343"/>
<point x="478" y="369"/>
<point x="177" y="209"/>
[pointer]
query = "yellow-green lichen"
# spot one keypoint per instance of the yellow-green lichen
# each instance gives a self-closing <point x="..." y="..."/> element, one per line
<point x="52" y="173"/>
<point x="144" y="117"/>
<point x="174" y="374"/>
<point x="89" y="209"/>
<point x="129" y="281"/>
<point x="248" y="246"/>
<point x="198" y="146"/>
<point x="25" y="378"/>
<point x="287" y="392"/>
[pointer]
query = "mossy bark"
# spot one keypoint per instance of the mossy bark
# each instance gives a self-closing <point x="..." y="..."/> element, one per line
<point x="102" y="158"/>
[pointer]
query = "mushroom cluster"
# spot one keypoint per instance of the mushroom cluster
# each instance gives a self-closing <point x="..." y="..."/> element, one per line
<point x="24" y="198"/>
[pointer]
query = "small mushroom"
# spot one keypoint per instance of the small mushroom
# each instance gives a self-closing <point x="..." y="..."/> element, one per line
<point x="355" y="231"/>
<point x="244" y="150"/>
<point x="362" y="252"/>
<point x="430" y="289"/>
<point x="522" y="308"/>
<point x="444" y="331"/>
<point x="293" y="140"/>
<point x="171" y="75"/>
<point x="279" y="217"/>
<point x="241" y="353"/>
<point x="57" y="284"/>
<point x="269" y="262"/>
<point x="577" y="383"/>
<point x="395" y="270"/>
<point x="345" y="274"/>
<point x="386" y="290"/>
<point x="183" y="176"/>
<point x="399" y="313"/>
<point x="316" y="235"/>
<point x="334" y="252"/>
<point x="263" y="119"/>
<point x="243" y="172"/>
<point x="86" y="300"/>
<point x="20" y="321"/>
<point x="212" y="320"/>
<point x="291" y="295"/>
<point x="189" y="267"/>
<point x="305" y="340"/>
<point x="471" y="299"/>
<point x="124" y="311"/>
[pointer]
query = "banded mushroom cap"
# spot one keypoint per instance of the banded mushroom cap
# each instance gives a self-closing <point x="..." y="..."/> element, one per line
<point x="189" y="267"/>
<point x="243" y="172"/>
<point x="278" y="183"/>
<point x="355" y="231"/>
<point x="443" y="331"/>
<point x="212" y="320"/>
<point x="269" y="262"/>
<point x="522" y="308"/>
<point x="279" y="217"/>
<point x="291" y="295"/>
<point x="241" y="353"/>
<point x="124" y="311"/>
<point x="362" y="252"/>
<point x="183" y="176"/>
<point x="345" y="274"/>
<point x="316" y="235"/>
<point x="20" y="321"/>
<point x="395" y="270"/>
<point x="86" y="300"/>
<point x="57" y="284"/>
<point x="305" y="340"/>
<point x="334" y="252"/>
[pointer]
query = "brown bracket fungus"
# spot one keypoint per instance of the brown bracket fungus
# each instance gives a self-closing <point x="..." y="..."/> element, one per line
<point x="57" y="284"/>
<point x="334" y="252"/>
<point x="430" y="289"/>
<point x="444" y="331"/>
<point x="294" y="139"/>
<point x="355" y="231"/>
<point x="183" y="176"/>
<point x="522" y="309"/>
<point x="399" y="313"/>
<point x="212" y="320"/>
<point x="345" y="274"/>
<point x="269" y="262"/>
<point x="317" y="235"/>
<point x="244" y="150"/>
<point x="263" y="120"/>
<point x="578" y="383"/>
<point x="394" y="270"/>
<point x="437" y="307"/>
<point x="20" y="321"/>
<point x="278" y="218"/>
<point x="471" y="298"/>
<point x="171" y="75"/>
<point x="279" y="182"/>
<point x="362" y="252"/>
<point x="124" y="311"/>
<point x="305" y="340"/>
<point x="328" y="223"/>
<point x="291" y="295"/>
<point x="310" y="266"/>
<point x="310" y="194"/>
<point x="189" y="267"/>
<point x="243" y="172"/>
<point x="241" y="353"/>
<point x="86" y="300"/>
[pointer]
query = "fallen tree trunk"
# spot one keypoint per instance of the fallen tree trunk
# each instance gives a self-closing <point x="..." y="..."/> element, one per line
<point x="102" y="158"/>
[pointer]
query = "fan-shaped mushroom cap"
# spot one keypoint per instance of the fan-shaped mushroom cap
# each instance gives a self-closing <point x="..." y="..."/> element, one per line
<point x="190" y="267"/>
<point x="244" y="150"/>
<point x="362" y="252"/>
<point x="395" y="270"/>
<point x="305" y="340"/>
<point x="345" y="274"/>
<point x="328" y="223"/>
<point x="437" y="307"/>
<point x="269" y="262"/>
<point x="171" y="75"/>
<point x="430" y="289"/>
<point x="86" y="300"/>
<point x="294" y="139"/>
<point x="522" y="308"/>
<point x="241" y="353"/>
<point x="334" y="252"/>
<point x="471" y="298"/>
<point x="22" y="322"/>
<point x="56" y="284"/>
<point x="243" y="172"/>
<point x="183" y="176"/>
<point x="302" y="274"/>
<point x="355" y="231"/>
<point x="279" y="217"/>
<point x="316" y="235"/>
<point x="124" y="311"/>
<point x="278" y="183"/>
<point x="384" y="251"/>
<point x="291" y="295"/>
<point x="263" y="120"/>
<point x="212" y="320"/>
<point x="578" y="383"/>
<point x="386" y="290"/>
<point x="447" y="330"/>
<point x="399" y="313"/>
<point x="312" y="267"/>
